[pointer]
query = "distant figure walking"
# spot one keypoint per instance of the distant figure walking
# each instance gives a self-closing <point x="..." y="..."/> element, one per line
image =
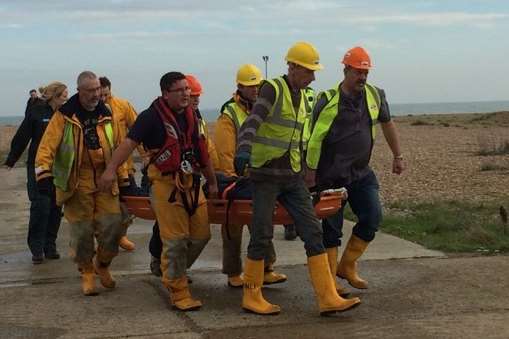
<point x="32" y="100"/>
<point x="45" y="215"/>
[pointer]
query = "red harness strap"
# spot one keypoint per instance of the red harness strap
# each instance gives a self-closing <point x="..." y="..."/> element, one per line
<point x="179" y="145"/>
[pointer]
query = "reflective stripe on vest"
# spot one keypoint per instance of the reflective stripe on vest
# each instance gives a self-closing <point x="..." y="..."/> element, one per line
<point x="236" y="114"/>
<point x="108" y="129"/>
<point x="64" y="158"/>
<point x="328" y="114"/>
<point x="202" y="127"/>
<point x="281" y="131"/>
<point x="310" y="103"/>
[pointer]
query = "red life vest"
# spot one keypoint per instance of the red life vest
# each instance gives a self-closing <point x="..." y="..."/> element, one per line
<point x="180" y="146"/>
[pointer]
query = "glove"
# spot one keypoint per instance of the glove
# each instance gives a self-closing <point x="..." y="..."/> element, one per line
<point x="241" y="161"/>
<point x="45" y="186"/>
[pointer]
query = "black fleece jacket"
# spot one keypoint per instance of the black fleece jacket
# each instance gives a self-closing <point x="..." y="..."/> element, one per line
<point x="30" y="131"/>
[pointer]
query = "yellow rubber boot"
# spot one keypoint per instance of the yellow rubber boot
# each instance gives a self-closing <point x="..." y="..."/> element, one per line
<point x="105" y="277"/>
<point x="328" y="299"/>
<point x="332" y="256"/>
<point x="180" y="296"/>
<point x="87" y="279"/>
<point x="235" y="281"/>
<point x="347" y="268"/>
<point x="252" y="299"/>
<point x="126" y="244"/>
<point x="270" y="277"/>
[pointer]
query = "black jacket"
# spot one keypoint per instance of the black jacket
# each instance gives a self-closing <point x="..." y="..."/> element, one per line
<point x="31" y="103"/>
<point x="31" y="129"/>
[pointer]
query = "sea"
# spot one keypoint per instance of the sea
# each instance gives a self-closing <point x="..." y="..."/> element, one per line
<point x="211" y="114"/>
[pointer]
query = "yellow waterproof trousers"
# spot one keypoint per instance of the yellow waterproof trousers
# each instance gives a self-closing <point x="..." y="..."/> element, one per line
<point x="183" y="235"/>
<point x="93" y="213"/>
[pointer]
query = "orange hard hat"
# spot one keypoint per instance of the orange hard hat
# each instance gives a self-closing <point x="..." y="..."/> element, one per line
<point x="357" y="57"/>
<point x="194" y="85"/>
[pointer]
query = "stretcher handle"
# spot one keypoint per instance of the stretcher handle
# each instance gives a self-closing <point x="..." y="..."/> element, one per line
<point x="330" y="191"/>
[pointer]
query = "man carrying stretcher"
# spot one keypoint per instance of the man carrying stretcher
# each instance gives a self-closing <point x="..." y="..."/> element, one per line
<point x="233" y="114"/>
<point x="270" y="142"/>
<point x="169" y="130"/>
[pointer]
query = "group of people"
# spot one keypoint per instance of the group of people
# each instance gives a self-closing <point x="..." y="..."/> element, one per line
<point x="276" y="132"/>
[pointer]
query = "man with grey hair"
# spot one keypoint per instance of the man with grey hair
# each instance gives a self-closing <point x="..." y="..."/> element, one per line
<point x="73" y="153"/>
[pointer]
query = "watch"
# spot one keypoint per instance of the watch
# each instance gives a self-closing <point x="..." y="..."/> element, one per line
<point x="398" y="157"/>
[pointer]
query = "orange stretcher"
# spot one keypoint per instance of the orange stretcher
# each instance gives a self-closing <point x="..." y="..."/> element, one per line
<point x="240" y="212"/>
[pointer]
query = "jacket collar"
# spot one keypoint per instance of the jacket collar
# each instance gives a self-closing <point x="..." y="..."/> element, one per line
<point x="73" y="106"/>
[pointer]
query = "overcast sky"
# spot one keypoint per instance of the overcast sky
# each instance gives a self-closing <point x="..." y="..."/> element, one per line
<point x="423" y="51"/>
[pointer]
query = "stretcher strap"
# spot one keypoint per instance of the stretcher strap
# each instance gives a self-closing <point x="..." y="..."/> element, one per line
<point x="228" y="206"/>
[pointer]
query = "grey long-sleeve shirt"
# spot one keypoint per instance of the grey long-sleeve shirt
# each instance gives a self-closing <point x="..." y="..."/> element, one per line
<point x="278" y="169"/>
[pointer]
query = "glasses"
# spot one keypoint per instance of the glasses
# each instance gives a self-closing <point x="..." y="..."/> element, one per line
<point x="181" y="90"/>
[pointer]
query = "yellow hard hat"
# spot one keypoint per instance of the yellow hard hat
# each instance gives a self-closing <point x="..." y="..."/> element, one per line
<point x="249" y="75"/>
<point x="305" y="55"/>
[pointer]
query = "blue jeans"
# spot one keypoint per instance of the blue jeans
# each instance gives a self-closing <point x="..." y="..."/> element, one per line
<point x="365" y="204"/>
<point x="45" y="218"/>
<point x="295" y="197"/>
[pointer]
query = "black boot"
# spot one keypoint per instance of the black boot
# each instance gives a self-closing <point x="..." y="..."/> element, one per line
<point x="290" y="233"/>
<point x="37" y="259"/>
<point x="51" y="253"/>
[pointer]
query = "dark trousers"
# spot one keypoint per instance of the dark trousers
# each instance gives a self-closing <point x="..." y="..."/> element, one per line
<point x="296" y="199"/>
<point x="155" y="246"/>
<point x="365" y="204"/>
<point x="45" y="218"/>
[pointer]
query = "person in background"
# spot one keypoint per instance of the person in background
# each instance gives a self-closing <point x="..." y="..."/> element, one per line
<point x="45" y="215"/>
<point x="32" y="100"/>
<point x="339" y="152"/>
<point x="124" y="115"/>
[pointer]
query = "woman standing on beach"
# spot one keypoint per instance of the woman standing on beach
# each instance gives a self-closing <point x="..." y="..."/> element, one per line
<point x="45" y="215"/>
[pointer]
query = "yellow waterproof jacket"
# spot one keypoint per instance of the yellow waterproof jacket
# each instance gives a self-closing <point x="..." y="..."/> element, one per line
<point x="211" y="148"/>
<point x="124" y="115"/>
<point x="50" y="145"/>
<point x="225" y="138"/>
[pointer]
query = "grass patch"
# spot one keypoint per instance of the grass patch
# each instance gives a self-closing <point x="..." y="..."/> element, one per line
<point x="448" y="226"/>
<point x="421" y="123"/>
<point x="483" y="117"/>
<point x="491" y="166"/>
<point x="487" y="148"/>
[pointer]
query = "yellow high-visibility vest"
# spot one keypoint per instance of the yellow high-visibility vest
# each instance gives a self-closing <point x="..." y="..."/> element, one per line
<point x="282" y="130"/>
<point x="328" y="114"/>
